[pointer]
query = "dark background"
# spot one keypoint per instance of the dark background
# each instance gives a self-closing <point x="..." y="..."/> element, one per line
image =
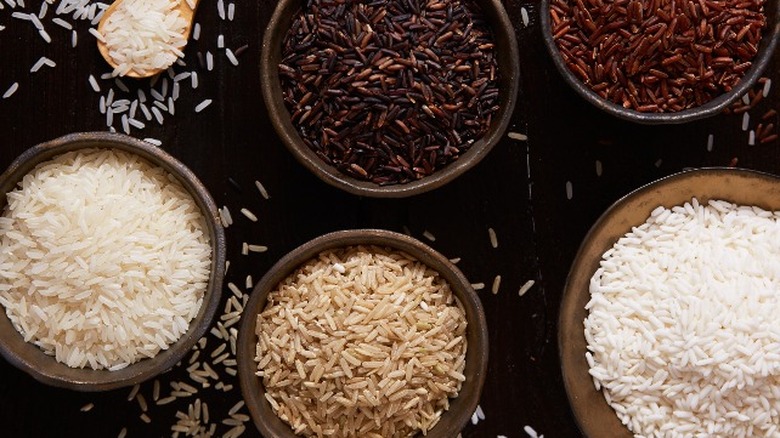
<point x="519" y="190"/>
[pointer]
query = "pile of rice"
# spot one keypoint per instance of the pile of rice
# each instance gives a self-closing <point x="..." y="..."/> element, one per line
<point x="144" y="35"/>
<point x="361" y="342"/>
<point x="683" y="329"/>
<point x="104" y="259"/>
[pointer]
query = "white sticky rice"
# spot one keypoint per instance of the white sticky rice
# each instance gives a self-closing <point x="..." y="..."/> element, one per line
<point x="683" y="328"/>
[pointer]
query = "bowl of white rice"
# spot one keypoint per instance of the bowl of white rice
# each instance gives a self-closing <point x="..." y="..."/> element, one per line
<point x="362" y="333"/>
<point x="669" y="320"/>
<point x="111" y="261"/>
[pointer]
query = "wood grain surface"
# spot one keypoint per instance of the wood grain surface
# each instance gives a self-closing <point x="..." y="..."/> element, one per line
<point x="521" y="190"/>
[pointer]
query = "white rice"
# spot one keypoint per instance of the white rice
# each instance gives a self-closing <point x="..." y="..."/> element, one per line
<point x="249" y="215"/>
<point x="144" y="35"/>
<point x="496" y="284"/>
<point x="517" y="136"/>
<point x="203" y="105"/>
<point x="257" y="248"/>
<point x="62" y="23"/>
<point x="526" y="287"/>
<point x="262" y="190"/>
<point x="11" y="90"/>
<point x="354" y="354"/>
<point x="44" y="35"/>
<point x="231" y="57"/>
<point x="209" y="61"/>
<point x="478" y="415"/>
<point x="683" y="330"/>
<point x="103" y="259"/>
<point x="493" y="237"/>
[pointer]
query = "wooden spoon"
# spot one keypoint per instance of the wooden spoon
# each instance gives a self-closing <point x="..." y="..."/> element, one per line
<point x="186" y="12"/>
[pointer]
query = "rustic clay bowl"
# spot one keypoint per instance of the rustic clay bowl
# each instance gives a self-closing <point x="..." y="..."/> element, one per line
<point x="461" y="408"/>
<point x="508" y="65"/>
<point x="31" y="359"/>
<point x="745" y="187"/>
<point x="711" y="108"/>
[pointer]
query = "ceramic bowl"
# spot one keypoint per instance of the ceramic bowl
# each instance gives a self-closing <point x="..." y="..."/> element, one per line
<point x="508" y="65"/>
<point x="461" y="407"/>
<point x="31" y="359"/>
<point x="744" y="187"/>
<point x="765" y="51"/>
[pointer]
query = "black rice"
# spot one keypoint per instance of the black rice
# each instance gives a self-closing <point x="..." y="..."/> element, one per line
<point x="390" y="90"/>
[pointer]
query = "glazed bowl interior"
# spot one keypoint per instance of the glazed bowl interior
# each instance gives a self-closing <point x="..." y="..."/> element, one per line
<point x="508" y="67"/>
<point x="766" y="49"/>
<point x="45" y="368"/>
<point x="594" y="416"/>
<point x="461" y="407"/>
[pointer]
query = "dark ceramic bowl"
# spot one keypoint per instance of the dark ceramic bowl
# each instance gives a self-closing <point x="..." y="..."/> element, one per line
<point x="508" y="65"/>
<point x="745" y="187"/>
<point x="461" y="408"/>
<point x="31" y="359"/>
<point x="765" y="51"/>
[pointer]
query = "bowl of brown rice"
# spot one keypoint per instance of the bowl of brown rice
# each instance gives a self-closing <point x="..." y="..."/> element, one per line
<point x="362" y="333"/>
<point x="668" y="321"/>
<point x="111" y="261"/>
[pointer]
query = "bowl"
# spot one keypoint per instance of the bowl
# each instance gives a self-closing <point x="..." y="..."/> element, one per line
<point x="461" y="407"/>
<point x="31" y="359"/>
<point x="508" y="64"/>
<point x="765" y="51"/>
<point x="595" y="417"/>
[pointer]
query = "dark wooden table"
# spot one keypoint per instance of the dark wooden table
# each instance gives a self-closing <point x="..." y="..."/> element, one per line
<point x="540" y="196"/>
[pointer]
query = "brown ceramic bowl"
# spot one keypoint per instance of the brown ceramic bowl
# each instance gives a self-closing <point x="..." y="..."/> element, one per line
<point x="31" y="359"/>
<point x="765" y="51"/>
<point x="595" y="417"/>
<point x="461" y="408"/>
<point x="508" y="64"/>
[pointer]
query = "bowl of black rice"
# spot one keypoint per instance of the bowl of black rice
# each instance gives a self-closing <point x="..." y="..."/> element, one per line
<point x="661" y="62"/>
<point x="389" y="98"/>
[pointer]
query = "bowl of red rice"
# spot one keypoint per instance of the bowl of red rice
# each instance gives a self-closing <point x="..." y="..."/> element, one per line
<point x="643" y="62"/>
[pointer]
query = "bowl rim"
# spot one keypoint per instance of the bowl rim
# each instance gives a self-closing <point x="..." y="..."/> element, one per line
<point x="280" y="117"/>
<point x="251" y="385"/>
<point x="569" y="328"/>
<point x="44" y="368"/>
<point x="710" y="108"/>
